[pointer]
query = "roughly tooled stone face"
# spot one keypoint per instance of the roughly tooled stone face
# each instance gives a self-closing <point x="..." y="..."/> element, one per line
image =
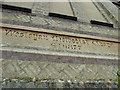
<point x="56" y="84"/>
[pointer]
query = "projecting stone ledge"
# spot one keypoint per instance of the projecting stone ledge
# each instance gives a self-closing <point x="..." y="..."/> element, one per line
<point x="21" y="40"/>
<point x="33" y="22"/>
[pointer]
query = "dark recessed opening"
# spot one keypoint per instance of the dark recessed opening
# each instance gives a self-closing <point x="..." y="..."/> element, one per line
<point x="63" y="16"/>
<point x="5" y="6"/>
<point x="116" y="3"/>
<point x="101" y="23"/>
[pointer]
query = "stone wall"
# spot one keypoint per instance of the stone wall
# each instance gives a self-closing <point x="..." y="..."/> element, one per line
<point x="36" y="74"/>
<point x="36" y="64"/>
<point x="57" y="26"/>
<point x="64" y="71"/>
<point x="54" y="84"/>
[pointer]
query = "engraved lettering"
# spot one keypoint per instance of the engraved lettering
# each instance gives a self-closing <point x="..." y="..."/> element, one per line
<point x="53" y="44"/>
<point x="73" y="40"/>
<point x="59" y="42"/>
<point x="79" y="47"/>
<point x="109" y="44"/>
<point x="45" y="37"/>
<point x="8" y="31"/>
<point x="40" y="37"/>
<point x="12" y="33"/>
<point x="30" y="35"/>
<point x="21" y="34"/>
<point x="16" y="34"/>
<point x="35" y="36"/>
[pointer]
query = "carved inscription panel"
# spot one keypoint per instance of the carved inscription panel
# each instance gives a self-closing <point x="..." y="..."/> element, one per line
<point x="54" y="42"/>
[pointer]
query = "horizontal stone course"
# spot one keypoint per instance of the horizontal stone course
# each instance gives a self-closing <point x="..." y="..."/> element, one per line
<point x="56" y="71"/>
<point x="19" y="83"/>
<point x="59" y="23"/>
<point x="55" y="58"/>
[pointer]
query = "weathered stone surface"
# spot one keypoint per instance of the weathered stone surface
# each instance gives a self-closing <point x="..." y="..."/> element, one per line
<point x="53" y="56"/>
<point x="86" y="11"/>
<point x="112" y="12"/>
<point x="58" y="43"/>
<point x="65" y="25"/>
<point x="52" y="70"/>
<point x="51" y="84"/>
<point x="29" y="56"/>
<point x="41" y="8"/>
